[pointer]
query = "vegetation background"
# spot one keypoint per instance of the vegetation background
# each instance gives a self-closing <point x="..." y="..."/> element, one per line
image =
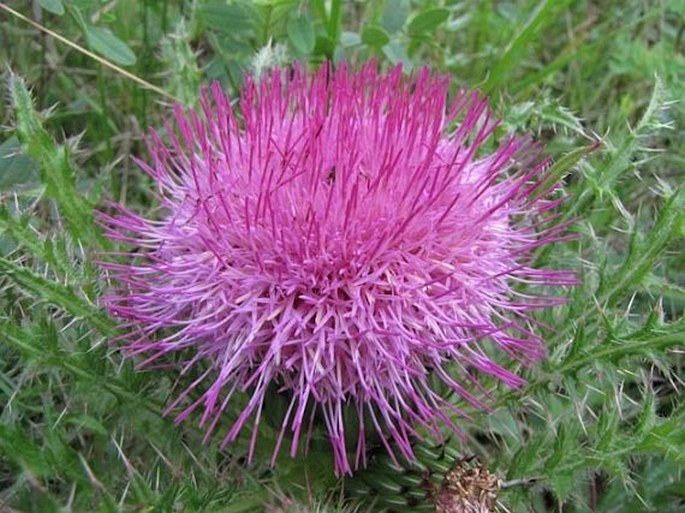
<point x="599" y="428"/>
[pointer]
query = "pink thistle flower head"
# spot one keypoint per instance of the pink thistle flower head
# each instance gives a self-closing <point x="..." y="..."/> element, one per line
<point x="345" y="237"/>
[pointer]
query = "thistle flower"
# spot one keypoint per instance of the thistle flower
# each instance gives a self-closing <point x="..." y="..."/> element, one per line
<point x="347" y="238"/>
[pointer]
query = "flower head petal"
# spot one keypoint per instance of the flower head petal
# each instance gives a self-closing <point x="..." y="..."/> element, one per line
<point x="347" y="238"/>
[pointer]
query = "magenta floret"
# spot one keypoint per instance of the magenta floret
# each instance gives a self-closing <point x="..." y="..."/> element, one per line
<point x="343" y="236"/>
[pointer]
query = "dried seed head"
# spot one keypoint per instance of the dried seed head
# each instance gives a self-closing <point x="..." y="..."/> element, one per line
<point x="467" y="488"/>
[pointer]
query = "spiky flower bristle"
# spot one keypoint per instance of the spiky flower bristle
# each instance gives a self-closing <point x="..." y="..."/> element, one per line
<point x="348" y="238"/>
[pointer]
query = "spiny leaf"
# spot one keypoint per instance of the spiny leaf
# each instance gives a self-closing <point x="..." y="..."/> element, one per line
<point x="18" y="447"/>
<point x="605" y="176"/>
<point x="561" y="167"/>
<point x="16" y="168"/>
<point x="59" y="295"/>
<point x="30" y="342"/>
<point x="183" y="75"/>
<point x="18" y="227"/>
<point x="642" y="254"/>
<point x="56" y="171"/>
<point x="669" y="336"/>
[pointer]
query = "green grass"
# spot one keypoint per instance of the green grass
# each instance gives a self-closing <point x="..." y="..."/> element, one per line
<point x="599" y="427"/>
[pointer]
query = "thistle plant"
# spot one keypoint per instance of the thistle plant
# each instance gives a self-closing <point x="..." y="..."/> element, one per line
<point x="515" y="392"/>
